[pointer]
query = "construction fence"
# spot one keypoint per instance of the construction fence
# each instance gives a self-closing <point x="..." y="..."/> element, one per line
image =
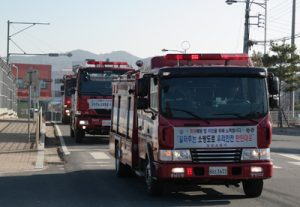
<point x="288" y="117"/>
<point x="8" y="91"/>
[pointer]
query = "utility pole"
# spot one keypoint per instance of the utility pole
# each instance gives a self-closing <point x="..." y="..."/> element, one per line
<point x="292" y="93"/>
<point x="265" y="38"/>
<point x="246" y="31"/>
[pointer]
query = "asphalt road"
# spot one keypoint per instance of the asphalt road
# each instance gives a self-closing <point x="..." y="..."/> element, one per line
<point x="88" y="179"/>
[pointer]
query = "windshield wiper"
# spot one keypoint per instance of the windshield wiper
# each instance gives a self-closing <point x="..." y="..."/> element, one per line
<point x="235" y="114"/>
<point x="191" y="113"/>
<point x="88" y="93"/>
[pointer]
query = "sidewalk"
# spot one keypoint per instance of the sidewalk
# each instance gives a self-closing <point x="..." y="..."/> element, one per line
<point x="16" y="153"/>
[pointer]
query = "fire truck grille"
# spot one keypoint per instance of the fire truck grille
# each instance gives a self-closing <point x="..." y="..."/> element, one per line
<point x="216" y="155"/>
<point x="103" y="111"/>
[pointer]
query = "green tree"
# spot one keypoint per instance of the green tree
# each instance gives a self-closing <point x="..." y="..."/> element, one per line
<point x="283" y="62"/>
<point x="257" y="59"/>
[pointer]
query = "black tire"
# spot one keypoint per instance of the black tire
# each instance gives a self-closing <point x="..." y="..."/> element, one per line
<point x="79" y="135"/>
<point x="72" y="132"/>
<point x="121" y="169"/>
<point x="155" y="187"/>
<point x="253" y="188"/>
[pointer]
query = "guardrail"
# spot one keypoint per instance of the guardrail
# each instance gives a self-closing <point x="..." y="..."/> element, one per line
<point x="39" y="121"/>
<point x="288" y="117"/>
<point x="8" y="91"/>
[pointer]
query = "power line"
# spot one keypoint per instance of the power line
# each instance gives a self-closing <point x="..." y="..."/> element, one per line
<point x="278" y="5"/>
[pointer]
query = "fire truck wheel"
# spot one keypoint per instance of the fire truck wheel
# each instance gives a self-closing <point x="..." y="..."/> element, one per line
<point x="79" y="134"/>
<point x="155" y="187"/>
<point x="253" y="188"/>
<point x="72" y="132"/>
<point x="121" y="169"/>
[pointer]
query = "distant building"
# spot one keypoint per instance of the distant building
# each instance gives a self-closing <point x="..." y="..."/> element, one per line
<point x="23" y="90"/>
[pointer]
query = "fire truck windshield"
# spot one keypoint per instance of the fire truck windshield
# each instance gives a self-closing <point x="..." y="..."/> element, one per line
<point x="68" y="88"/>
<point x="213" y="98"/>
<point x="97" y="82"/>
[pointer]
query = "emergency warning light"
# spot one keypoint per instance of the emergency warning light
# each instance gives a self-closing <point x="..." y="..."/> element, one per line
<point x="106" y="63"/>
<point x="206" y="57"/>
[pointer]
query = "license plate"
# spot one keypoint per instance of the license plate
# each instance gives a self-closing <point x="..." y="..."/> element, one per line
<point x="105" y="122"/>
<point x="218" y="171"/>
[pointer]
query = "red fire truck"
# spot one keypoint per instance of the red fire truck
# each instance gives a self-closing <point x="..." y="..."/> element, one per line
<point x="92" y="97"/>
<point x="66" y="99"/>
<point x="194" y="118"/>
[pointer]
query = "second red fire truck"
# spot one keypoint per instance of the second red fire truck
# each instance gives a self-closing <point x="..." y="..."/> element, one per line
<point x="194" y="118"/>
<point x="92" y="97"/>
<point x="66" y="99"/>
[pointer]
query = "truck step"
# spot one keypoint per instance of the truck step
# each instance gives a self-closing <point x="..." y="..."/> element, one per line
<point x="140" y="173"/>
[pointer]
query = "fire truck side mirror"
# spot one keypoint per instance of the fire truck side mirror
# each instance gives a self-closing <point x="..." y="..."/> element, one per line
<point x="274" y="102"/>
<point x="62" y="93"/>
<point x="73" y="82"/>
<point x="141" y="103"/>
<point x="273" y="84"/>
<point x="62" y="87"/>
<point x="142" y="87"/>
<point x="72" y="91"/>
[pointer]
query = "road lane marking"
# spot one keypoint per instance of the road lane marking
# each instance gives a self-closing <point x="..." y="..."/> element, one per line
<point x="99" y="165"/>
<point x="62" y="141"/>
<point x="84" y="150"/>
<point x="95" y="162"/>
<point x="291" y="156"/>
<point x="274" y="166"/>
<point x="99" y="155"/>
<point x="295" y="163"/>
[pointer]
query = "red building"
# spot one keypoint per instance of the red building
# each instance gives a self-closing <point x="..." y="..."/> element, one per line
<point x="45" y="85"/>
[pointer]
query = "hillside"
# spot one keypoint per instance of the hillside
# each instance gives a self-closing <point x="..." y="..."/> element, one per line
<point x="77" y="55"/>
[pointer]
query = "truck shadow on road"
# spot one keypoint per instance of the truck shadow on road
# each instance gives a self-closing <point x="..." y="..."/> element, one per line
<point x="100" y="188"/>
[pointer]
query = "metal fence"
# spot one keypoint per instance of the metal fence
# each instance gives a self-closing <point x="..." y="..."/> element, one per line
<point x="8" y="91"/>
<point x="288" y="117"/>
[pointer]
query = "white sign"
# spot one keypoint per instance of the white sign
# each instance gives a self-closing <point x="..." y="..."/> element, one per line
<point x="215" y="137"/>
<point x="34" y="74"/>
<point x="100" y="103"/>
<point x="105" y="122"/>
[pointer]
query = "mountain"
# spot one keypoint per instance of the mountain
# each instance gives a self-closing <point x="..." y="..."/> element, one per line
<point x="77" y="55"/>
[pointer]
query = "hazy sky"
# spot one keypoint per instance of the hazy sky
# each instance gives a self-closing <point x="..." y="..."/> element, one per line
<point x="140" y="27"/>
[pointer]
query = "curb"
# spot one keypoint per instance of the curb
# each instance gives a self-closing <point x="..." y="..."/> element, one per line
<point x="287" y="131"/>
<point x="63" y="150"/>
<point x="41" y="150"/>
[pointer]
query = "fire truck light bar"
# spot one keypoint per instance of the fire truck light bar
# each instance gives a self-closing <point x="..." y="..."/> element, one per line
<point x="206" y="57"/>
<point x="106" y="63"/>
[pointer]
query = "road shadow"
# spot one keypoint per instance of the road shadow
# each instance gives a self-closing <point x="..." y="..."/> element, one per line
<point x="99" y="188"/>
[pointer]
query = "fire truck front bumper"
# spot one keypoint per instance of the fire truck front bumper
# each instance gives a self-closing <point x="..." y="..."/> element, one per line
<point x="93" y="125"/>
<point x="238" y="171"/>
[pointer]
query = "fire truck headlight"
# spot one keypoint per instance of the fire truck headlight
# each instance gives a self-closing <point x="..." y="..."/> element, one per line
<point x="165" y="155"/>
<point x="265" y="154"/>
<point x="78" y="112"/>
<point x="83" y="122"/>
<point x="67" y="111"/>
<point x="65" y="106"/>
<point x="182" y="155"/>
<point x="250" y="154"/>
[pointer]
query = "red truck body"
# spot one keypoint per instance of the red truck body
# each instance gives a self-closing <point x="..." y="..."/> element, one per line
<point x="217" y="132"/>
<point x="91" y="98"/>
<point x="66" y="99"/>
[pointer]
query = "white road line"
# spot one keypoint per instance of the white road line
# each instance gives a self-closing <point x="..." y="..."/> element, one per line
<point x="99" y="165"/>
<point x="99" y="155"/>
<point x="274" y="166"/>
<point x="88" y="150"/>
<point x="62" y="141"/>
<point x="295" y="163"/>
<point x="291" y="156"/>
<point x="95" y="162"/>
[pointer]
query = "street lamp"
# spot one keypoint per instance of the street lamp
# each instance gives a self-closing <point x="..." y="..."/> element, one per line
<point x="185" y="45"/>
<point x="246" y="31"/>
